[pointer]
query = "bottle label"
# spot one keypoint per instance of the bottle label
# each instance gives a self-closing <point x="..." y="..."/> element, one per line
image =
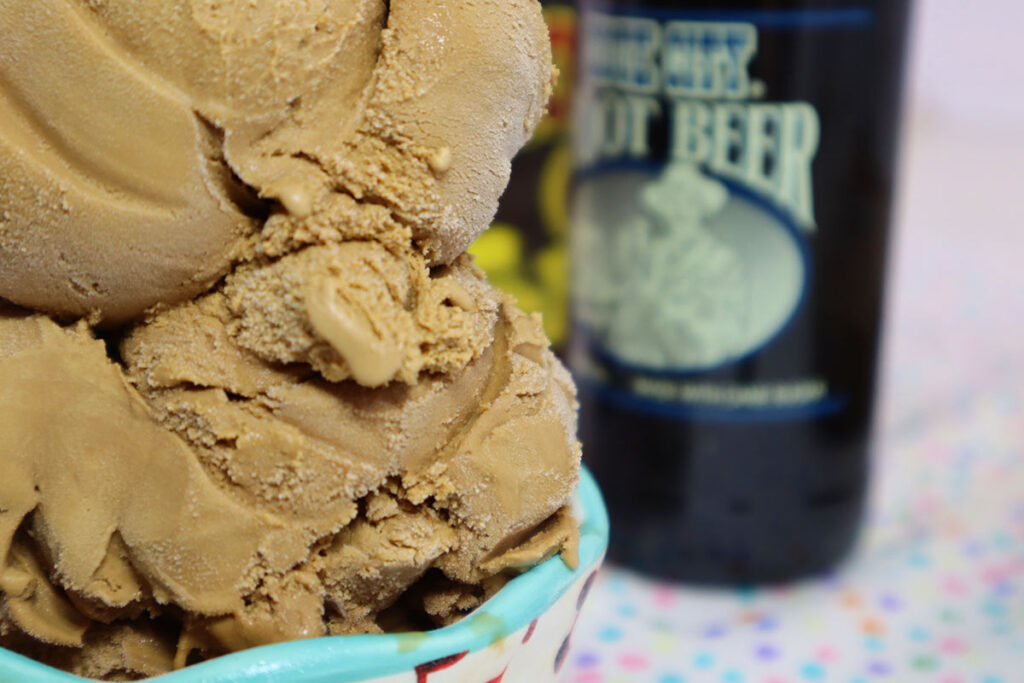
<point x="694" y="216"/>
<point x="696" y="75"/>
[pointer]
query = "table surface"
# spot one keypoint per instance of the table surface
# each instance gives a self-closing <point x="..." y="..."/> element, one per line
<point x="935" y="592"/>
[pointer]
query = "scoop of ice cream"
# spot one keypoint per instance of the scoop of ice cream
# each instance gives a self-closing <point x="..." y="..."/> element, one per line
<point x="131" y="158"/>
<point x="222" y="501"/>
<point x="493" y="445"/>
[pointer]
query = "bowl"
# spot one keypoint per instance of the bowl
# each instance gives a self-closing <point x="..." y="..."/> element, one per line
<point x="523" y="633"/>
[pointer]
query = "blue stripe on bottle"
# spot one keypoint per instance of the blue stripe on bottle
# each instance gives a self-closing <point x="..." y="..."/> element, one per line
<point x="839" y="17"/>
<point x="830" y="405"/>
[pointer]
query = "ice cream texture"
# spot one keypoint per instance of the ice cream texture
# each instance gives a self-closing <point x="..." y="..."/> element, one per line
<point x="251" y="386"/>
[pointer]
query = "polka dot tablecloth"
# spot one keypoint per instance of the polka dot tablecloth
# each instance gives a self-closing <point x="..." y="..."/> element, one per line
<point x="935" y="592"/>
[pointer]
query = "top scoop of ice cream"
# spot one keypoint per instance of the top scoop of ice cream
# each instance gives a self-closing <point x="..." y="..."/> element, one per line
<point x="139" y="159"/>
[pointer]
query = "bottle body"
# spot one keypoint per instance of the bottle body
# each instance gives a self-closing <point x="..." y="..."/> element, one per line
<point x="734" y="172"/>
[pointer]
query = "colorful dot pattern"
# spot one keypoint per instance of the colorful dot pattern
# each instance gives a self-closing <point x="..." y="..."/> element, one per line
<point x="935" y="592"/>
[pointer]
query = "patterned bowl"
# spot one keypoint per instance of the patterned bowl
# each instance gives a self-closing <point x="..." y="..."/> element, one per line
<point x="521" y="634"/>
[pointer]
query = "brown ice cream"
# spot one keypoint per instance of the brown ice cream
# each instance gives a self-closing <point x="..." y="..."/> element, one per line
<point x="251" y="387"/>
<point x="133" y="157"/>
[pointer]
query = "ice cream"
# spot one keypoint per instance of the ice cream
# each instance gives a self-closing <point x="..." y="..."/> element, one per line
<point x="251" y="387"/>
<point x="134" y="158"/>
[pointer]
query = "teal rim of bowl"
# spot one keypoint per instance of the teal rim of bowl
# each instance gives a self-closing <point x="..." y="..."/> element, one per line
<point x="342" y="659"/>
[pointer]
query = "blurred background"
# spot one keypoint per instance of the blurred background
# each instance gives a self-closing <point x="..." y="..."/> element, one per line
<point x="935" y="592"/>
<point x="956" y="310"/>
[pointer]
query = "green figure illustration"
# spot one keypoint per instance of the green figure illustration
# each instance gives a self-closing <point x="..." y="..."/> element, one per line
<point x="673" y="294"/>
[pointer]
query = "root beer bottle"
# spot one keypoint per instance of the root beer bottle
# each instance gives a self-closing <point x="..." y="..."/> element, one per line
<point x="733" y="174"/>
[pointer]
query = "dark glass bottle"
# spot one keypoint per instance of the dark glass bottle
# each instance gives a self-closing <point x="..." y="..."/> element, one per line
<point x="734" y="164"/>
